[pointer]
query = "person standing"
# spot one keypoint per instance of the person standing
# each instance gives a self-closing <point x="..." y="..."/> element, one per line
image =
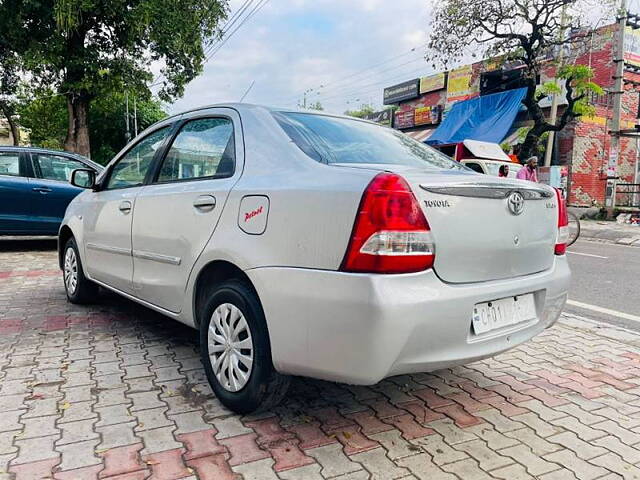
<point x="529" y="172"/>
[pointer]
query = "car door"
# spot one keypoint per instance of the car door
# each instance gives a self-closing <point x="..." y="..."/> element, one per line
<point x="15" y="194"/>
<point x="109" y="213"/>
<point x="176" y="215"/>
<point x="51" y="191"/>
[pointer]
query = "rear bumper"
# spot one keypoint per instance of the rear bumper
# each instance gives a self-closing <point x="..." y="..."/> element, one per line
<point x="360" y="328"/>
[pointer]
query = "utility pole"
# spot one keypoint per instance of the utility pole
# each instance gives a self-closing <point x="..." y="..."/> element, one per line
<point x="126" y="117"/>
<point x="618" y="90"/>
<point x="554" y="101"/>
<point x="135" y="117"/>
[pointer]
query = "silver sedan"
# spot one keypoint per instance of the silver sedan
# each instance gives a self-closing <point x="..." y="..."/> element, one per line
<point x="302" y="243"/>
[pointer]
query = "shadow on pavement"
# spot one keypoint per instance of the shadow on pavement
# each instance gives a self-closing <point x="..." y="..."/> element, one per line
<point x="26" y="244"/>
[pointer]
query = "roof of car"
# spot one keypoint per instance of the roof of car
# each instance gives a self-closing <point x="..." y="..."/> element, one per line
<point x="13" y="148"/>
<point x="253" y="106"/>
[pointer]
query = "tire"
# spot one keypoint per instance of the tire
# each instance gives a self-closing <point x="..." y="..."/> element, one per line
<point x="574" y="228"/>
<point x="83" y="290"/>
<point x="241" y="388"/>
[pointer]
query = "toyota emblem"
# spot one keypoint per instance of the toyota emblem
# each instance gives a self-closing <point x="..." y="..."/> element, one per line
<point x="515" y="202"/>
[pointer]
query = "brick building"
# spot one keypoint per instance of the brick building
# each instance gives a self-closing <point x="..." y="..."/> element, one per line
<point x="583" y="146"/>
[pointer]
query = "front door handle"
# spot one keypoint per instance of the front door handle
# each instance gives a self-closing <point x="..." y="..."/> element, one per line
<point x="42" y="190"/>
<point x="125" y="207"/>
<point x="205" y="203"/>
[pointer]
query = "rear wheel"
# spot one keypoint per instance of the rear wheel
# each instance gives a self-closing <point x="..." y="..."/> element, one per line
<point x="79" y="288"/>
<point x="235" y="350"/>
<point x="574" y="228"/>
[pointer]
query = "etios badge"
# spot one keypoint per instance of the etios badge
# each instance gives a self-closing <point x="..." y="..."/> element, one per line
<point x="515" y="202"/>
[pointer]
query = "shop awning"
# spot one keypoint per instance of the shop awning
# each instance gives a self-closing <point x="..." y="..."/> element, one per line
<point x="487" y="118"/>
<point x="421" y="135"/>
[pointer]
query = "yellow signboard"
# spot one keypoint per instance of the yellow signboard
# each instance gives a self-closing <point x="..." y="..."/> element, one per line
<point x="427" y="115"/>
<point x="459" y="85"/>
<point x="432" y="83"/>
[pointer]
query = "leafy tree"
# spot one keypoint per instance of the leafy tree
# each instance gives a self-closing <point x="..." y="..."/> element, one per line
<point x="107" y="122"/>
<point x="46" y="118"/>
<point x="364" y="110"/>
<point x="88" y="48"/>
<point x="524" y="30"/>
<point x="315" y="106"/>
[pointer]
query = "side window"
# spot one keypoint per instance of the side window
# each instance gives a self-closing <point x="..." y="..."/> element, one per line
<point x="54" y="167"/>
<point x="202" y="148"/>
<point x="9" y="163"/>
<point x="476" y="167"/>
<point x="134" y="165"/>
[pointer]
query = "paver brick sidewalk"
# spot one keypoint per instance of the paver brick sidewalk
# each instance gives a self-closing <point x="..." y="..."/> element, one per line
<point x="115" y="391"/>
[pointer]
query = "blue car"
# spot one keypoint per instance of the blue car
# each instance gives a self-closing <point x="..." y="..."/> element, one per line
<point x="35" y="189"/>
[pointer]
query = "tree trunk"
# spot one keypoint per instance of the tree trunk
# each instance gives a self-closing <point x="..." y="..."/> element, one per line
<point x="530" y="145"/>
<point x="78" y="132"/>
<point x="15" y="131"/>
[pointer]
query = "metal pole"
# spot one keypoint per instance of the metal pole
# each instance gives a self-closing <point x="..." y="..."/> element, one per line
<point x="554" y="100"/>
<point x="126" y="117"/>
<point x="618" y="90"/>
<point x="135" y="116"/>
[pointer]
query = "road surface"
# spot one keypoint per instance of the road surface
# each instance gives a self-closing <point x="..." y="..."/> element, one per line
<point x="605" y="283"/>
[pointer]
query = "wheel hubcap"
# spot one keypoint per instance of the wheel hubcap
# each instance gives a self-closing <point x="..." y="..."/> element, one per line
<point x="230" y="347"/>
<point x="70" y="271"/>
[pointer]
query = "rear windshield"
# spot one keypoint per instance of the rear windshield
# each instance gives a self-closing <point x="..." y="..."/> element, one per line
<point x="338" y="140"/>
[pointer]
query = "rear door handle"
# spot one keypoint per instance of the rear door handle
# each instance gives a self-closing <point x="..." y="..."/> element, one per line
<point x="125" y="207"/>
<point x="41" y="189"/>
<point x="205" y="203"/>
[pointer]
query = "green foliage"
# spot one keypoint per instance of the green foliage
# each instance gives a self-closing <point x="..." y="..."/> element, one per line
<point x="89" y="48"/>
<point x="316" y="106"/>
<point x="107" y="123"/>
<point x="46" y="118"/>
<point x="364" y="110"/>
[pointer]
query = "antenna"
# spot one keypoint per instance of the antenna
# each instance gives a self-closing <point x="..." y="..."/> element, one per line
<point x="248" y="90"/>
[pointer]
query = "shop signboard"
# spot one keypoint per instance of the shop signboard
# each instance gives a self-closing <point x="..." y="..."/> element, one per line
<point x="382" y="117"/>
<point x="632" y="46"/>
<point x="427" y="115"/>
<point x="459" y="84"/>
<point x="404" y="119"/>
<point x="402" y="91"/>
<point x="432" y="83"/>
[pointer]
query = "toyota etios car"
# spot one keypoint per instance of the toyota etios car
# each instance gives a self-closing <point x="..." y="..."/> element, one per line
<point x="309" y="244"/>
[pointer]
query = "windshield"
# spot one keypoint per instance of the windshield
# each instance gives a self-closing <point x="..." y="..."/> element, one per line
<point x="494" y="168"/>
<point x="338" y="140"/>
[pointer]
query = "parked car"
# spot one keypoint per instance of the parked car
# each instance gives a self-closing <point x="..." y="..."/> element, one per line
<point x="35" y="189"/>
<point x="309" y="244"/>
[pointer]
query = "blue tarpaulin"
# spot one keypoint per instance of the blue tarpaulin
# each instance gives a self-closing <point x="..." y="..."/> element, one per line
<point x="487" y="118"/>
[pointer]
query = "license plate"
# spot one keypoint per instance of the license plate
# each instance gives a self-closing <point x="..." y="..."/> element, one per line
<point x="501" y="313"/>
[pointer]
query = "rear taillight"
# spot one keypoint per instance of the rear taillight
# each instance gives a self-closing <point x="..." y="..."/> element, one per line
<point x="390" y="233"/>
<point x="563" y="224"/>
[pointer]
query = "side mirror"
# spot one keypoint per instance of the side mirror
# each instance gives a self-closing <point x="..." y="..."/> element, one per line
<point x="83" y="178"/>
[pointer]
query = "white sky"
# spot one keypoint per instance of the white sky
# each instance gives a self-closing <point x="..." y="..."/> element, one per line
<point x="293" y="45"/>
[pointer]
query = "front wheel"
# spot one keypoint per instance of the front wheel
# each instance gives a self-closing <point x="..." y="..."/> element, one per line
<point x="235" y="350"/>
<point x="79" y="288"/>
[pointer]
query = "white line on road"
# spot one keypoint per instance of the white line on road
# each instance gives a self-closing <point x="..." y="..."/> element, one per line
<point x="608" y="311"/>
<point x="586" y="254"/>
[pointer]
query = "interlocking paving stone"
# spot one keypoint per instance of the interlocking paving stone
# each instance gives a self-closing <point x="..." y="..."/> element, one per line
<point x="115" y="390"/>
